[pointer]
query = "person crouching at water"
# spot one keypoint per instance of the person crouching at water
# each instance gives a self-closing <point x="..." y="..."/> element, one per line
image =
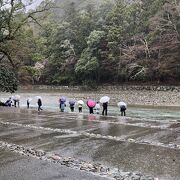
<point x="105" y="105"/>
<point x="123" y="110"/>
<point x="39" y="102"/>
<point x="123" y="107"/>
<point x="8" y="102"/>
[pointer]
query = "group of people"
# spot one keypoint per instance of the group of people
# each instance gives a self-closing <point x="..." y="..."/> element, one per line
<point x="10" y="101"/>
<point x="92" y="105"/>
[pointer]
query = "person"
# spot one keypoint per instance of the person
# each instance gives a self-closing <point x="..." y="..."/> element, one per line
<point x="80" y="108"/>
<point x="123" y="110"/>
<point x="61" y="105"/>
<point x="8" y="102"/>
<point x="39" y="102"/>
<point x="28" y="103"/>
<point x="71" y="105"/>
<point x="97" y="107"/>
<point x="16" y="102"/>
<point x="91" y="110"/>
<point x="2" y="103"/>
<point x="105" y="108"/>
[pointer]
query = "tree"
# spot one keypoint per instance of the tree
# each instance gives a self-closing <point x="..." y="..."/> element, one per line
<point x="87" y="67"/>
<point x="14" y="29"/>
<point x="8" y="80"/>
<point x="13" y="19"/>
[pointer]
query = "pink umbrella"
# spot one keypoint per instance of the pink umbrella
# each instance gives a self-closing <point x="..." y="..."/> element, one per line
<point x="91" y="103"/>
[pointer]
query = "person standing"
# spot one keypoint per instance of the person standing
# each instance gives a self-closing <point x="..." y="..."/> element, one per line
<point x="28" y="103"/>
<point x="105" y="105"/>
<point x="62" y="105"/>
<point x="71" y="105"/>
<point x="80" y="108"/>
<point x="91" y="110"/>
<point x="97" y="107"/>
<point x="15" y="102"/>
<point x="39" y="102"/>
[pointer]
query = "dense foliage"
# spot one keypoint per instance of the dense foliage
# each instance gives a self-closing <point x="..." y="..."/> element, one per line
<point x="8" y="80"/>
<point x="113" y="42"/>
<point x="116" y="42"/>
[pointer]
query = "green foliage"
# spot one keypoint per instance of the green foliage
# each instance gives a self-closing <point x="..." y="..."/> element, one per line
<point x="8" y="80"/>
<point x="18" y="44"/>
<point x="87" y="67"/>
<point x="116" y="42"/>
<point x="79" y="43"/>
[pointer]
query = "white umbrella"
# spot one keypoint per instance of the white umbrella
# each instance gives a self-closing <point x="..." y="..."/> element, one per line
<point x="17" y="97"/>
<point x="80" y="102"/>
<point x="3" y="99"/>
<point x="38" y="97"/>
<point x="104" y="99"/>
<point x="122" y="104"/>
<point x="29" y="99"/>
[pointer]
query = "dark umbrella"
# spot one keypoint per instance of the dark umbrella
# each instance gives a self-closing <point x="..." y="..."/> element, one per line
<point x="72" y="102"/>
<point x="62" y="99"/>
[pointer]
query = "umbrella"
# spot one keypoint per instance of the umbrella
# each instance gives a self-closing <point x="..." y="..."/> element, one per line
<point x="17" y="97"/>
<point x="122" y="104"/>
<point x="80" y="102"/>
<point x="72" y="102"/>
<point x="38" y="97"/>
<point x="104" y="99"/>
<point x="62" y="99"/>
<point x="12" y="97"/>
<point x="91" y="103"/>
<point x="30" y="99"/>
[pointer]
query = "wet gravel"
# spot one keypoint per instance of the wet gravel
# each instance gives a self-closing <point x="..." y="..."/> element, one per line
<point x="95" y="168"/>
<point x="93" y="135"/>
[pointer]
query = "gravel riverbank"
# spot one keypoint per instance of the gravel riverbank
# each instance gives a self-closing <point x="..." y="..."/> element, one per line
<point x="132" y="95"/>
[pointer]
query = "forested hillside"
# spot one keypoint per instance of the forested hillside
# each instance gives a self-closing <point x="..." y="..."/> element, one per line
<point x="80" y="42"/>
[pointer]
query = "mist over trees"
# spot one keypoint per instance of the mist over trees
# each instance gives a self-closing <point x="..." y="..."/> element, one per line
<point x="80" y="42"/>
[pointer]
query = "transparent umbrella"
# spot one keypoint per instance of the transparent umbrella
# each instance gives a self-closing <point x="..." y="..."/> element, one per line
<point x="104" y="99"/>
<point x="80" y="102"/>
<point x="120" y="104"/>
<point x="38" y="97"/>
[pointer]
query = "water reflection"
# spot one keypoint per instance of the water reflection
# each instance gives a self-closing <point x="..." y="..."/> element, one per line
<point x="104" y="127"/>
<point x="80" y="118"/>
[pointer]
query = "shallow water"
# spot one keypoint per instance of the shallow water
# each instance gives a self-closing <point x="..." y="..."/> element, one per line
<point x="50" y="102"/>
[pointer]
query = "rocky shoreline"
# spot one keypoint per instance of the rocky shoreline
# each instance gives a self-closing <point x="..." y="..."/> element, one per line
<point x="95" y="168"/>
<point x="132" y="95"/>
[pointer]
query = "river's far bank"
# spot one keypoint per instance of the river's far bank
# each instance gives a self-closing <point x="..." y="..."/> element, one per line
<point x="102" y="88"/>
<point x="132" y="95"/>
